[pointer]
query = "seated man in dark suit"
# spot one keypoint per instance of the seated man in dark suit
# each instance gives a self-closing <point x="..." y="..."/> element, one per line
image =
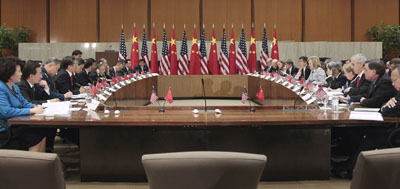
<point x="83" y="76"/>
<point x="141" y="67"/>
<point x="392" y="107"/>
<point x="48" y="71"/>
<point x="381" y="89"/>
<point x="65" y="78"/>
<point x="338" y="77"/>
<point x="115" y="71"/>
<point x="290" y="68"/>
<point x="126" y="70"/>
<point x="31" y="83"/>
<point x="360" y="86"/>
<point x="304" y="70"/>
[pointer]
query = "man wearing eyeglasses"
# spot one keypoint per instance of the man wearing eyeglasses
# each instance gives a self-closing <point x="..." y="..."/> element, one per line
<point x="392" y="107"/>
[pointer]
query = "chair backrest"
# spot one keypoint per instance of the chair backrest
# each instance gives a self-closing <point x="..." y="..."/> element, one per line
<point x="7" y="134"/>
<point x="23" y="169"/>
<point x="203" y="169"/>
<point x="377" y="169"/>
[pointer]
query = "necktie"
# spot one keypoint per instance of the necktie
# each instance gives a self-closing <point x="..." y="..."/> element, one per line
<point x="72" y="79"/>
<point x="370" y="90"/>
<point x="358" y="81"/>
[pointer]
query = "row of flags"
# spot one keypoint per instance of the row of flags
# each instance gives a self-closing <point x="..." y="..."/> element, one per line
<point x="234" y="61"/>
<point x="320" y="92"/>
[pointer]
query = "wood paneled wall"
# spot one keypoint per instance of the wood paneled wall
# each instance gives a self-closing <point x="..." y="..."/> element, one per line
<point x="295" y="20"/>
<point x="327" y="20"/>
<point x="367" y="13"/>
<point x="32" y="14"/>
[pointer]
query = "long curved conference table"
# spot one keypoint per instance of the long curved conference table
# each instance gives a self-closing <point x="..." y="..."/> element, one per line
<point x="297" y="143"/>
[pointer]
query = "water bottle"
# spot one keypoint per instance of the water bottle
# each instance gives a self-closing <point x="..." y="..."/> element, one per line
<point x="335" y="103"/>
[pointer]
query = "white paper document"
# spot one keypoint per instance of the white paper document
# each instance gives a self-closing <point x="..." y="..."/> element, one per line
<point x="366" y="109"/>
<point x="56" y="108"/>
<point x="373" y="116"/>
<point x="306" y="97"/>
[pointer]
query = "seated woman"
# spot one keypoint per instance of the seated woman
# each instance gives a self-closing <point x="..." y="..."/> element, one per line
<point x="281" y="68"/>
<point x="317" y="75"/>
<point x="13" y="104"/>
<point x="350" y="75"/>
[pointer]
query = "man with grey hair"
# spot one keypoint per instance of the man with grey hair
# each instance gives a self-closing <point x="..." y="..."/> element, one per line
<point x="273" y="67"/>
<point x="49" y="70"/>
<point x="338" y="79"/>
<point x="115" y="71"/>
<point x="360" y="86"/>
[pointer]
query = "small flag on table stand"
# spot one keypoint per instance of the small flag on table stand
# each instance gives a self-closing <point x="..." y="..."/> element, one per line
<point x="153" y="97"/>
<point x="245" y="96"/>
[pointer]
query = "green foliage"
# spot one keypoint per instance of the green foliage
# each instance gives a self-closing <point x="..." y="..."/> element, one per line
<point x="389" y="35"/>
<point x="10" y="37"/>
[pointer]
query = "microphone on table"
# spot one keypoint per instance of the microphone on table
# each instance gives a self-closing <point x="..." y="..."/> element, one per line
<point x="297" y="97"/>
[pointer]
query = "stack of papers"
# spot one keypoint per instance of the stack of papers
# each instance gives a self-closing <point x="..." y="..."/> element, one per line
<point x="366" y="114"/>
<point x="56" y="108"/>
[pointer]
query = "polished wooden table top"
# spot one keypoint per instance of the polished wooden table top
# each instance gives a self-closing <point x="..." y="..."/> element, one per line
<point x="184" y="117"/>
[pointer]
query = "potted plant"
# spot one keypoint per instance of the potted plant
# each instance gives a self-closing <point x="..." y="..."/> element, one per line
<point x="389" y="35"/>
<point x="10" y="37"/>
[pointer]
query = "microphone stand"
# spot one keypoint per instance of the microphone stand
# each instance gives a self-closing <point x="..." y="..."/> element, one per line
<point x="252" y="109"/>
<point x="204" y="93"/>
<point x="297" y="97"/>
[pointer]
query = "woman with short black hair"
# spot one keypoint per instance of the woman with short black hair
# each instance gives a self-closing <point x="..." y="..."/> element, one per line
<point x="13" y="104"/>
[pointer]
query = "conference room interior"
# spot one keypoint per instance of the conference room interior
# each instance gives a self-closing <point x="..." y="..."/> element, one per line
<point x="199" y="94"/>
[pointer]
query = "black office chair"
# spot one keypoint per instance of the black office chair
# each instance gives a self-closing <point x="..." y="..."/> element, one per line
<point x="4" y="142"/>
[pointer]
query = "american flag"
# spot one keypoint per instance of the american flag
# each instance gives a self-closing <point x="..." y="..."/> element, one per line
<point x="203" y="54"/>
<point x="154" y="96"/>
<point x="321" y="93"/>
<point x="144" y="53"/>
<point x="245" y="96"/>
<point x="264" y="50"/>
<point x="122" y="45"/>
<point x="183" y="59"/>
<point x="241" y="55"/>
<point x="223" y="61"/>
<point x="164" y="66"/>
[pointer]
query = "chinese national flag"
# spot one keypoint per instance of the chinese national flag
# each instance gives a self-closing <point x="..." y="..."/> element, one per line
<point x="125" y="77"/>
<point x="232" y="55"/>
<point x="213" y="65"/>
<point x="194" y="67"/>
<point x="103" y="83"/>
<point x="154" y="57"/>
<point x="172" y="53"/>
<point x="134" y="50"/>
<point x="114" y="80"/>
<point x="260" y="95"/>
<point x="119" y="79"/>
<point x="252" y="61"/>
<point x="274" y="49"/>
<point x="94" y="91"/>
<point x="168" y="97"/>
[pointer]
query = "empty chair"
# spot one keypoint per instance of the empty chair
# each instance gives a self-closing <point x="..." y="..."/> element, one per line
<point x="377" y="169"/>
<point x="200" y="170"/>
<point x="23" y="169"/>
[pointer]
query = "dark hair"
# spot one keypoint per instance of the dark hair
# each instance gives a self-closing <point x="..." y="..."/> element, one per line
<point x="376" y="65"/>
<point x="397" y="66"/>
<point x="90" y="59"/>
<point x="120" y="62"/>
<point x="88" y="63"/>
<point x="76" y="52"/>
<point x="289" y="62"/>
<point x="304" y="58"/>
<point x="69" y="58"/>
<point x="65" y="63"/>
<point x="29" y="68"/>
<point x="141" y="60"/>
<point x="80" y="61"/>
<point x="8" y="66"/>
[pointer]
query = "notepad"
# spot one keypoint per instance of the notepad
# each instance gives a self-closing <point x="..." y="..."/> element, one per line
<point x="366" y="109"/>
<point x="372" y="116"/>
